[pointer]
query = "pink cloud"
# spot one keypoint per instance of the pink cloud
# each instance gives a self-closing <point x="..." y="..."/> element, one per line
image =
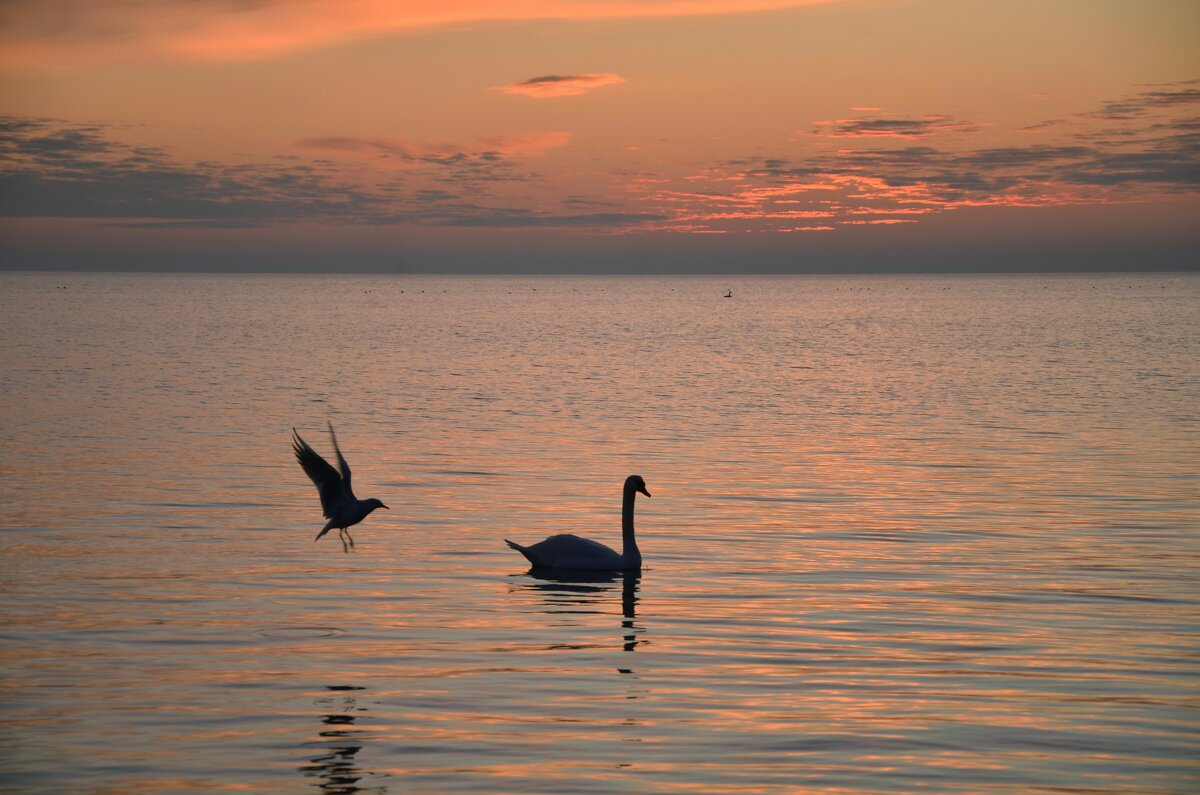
<point x="72" y="32"/>
<point x="562" y="85"/>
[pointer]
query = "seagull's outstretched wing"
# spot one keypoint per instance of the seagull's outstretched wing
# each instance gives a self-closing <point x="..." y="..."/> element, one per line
<point x="342" y="465"/>
<point x="328" y="482"/>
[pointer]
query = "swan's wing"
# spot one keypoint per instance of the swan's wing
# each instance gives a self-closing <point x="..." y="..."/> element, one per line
<point x="567" y="551"/>
<point x="342" y="465"/>
<point x="568" y="542"/>
<point x="324" y="477"/>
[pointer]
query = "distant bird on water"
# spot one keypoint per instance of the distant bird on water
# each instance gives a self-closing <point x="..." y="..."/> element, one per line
<point x="568" y="551"/>
<point x="728" y="294"/>
<point x="338" y="502"/>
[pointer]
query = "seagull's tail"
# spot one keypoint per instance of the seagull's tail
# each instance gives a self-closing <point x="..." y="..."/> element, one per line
<point x="324" y="530"/>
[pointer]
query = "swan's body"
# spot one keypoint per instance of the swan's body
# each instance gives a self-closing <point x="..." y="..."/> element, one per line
<point x="570" y="552"/>
<point x="338" y="503"/>
<point x="567" y="551"/>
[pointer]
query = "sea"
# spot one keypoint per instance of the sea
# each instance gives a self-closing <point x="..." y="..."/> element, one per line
<point x="908" y="534"/>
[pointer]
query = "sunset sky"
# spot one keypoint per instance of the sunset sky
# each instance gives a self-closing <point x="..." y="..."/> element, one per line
<point x="625" y="135"/>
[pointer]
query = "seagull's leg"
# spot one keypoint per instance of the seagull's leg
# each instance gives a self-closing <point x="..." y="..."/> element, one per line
<point x="342" y="536"/>
<point x="350" y="537"/>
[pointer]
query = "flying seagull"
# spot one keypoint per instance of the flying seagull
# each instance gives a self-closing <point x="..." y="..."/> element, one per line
<point x="338" y="502"/>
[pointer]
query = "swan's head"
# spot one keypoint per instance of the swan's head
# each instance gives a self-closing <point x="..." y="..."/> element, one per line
<point x="374" y="503"/>
<point x="637" y="484"/>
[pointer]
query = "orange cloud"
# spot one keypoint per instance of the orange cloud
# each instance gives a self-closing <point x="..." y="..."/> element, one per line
<point x="62" y="32"/>
<point x="562" y="85"/>
<point x="881" y="221"/>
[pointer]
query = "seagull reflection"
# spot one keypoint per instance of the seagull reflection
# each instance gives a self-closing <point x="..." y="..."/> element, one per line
<point x="341" y="740"/>
<point x="587" y="592"/>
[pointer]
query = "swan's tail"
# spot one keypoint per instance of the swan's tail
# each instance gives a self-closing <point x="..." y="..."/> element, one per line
<point x="523" y="550"/>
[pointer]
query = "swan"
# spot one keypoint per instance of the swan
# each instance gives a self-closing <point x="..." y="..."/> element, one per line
<point x="338" y="502"/>
<point x="571" y="552"/>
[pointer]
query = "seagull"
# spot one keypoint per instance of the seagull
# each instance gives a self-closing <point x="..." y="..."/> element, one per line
<point x="338" y="502"/>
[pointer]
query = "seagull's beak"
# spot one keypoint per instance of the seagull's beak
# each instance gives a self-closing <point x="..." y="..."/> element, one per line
<point x="381" y="505"/>
<point x="643" y="491"/>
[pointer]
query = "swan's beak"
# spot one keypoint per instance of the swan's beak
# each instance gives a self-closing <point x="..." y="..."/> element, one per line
<point x="643" y="491"/>
<point x="381" y="505"/>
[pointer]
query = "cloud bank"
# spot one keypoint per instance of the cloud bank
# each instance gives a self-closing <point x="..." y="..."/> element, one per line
<point x="1142" y="148"/>
<point x="55" y="169"/>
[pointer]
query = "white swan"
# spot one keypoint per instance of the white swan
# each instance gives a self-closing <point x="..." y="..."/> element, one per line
<point x="568" y="551"/>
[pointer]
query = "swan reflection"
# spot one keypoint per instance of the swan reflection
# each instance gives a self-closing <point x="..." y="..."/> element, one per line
<point x="336" y="767"/>
<point x="584" y="592"/>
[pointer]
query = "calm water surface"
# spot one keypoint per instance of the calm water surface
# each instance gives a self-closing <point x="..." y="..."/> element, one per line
<point x="908" y="534"/>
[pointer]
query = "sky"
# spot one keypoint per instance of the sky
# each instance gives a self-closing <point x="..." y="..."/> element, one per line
<point x="632" y="136"/>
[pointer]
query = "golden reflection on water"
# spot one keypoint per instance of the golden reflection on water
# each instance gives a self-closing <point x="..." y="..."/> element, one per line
<point x="937" y="536"/>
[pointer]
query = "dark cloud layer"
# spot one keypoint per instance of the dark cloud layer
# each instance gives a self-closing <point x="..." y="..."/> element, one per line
<point x="529" y="219"/>
<point x="1170" y="96"/>
<point x="53" y="169"/>
<point x="50" y="168"/>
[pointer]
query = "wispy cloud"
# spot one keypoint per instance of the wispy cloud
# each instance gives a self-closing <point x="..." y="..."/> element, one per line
<point x="80" y="32"/>
<point x="549" y="86"/>
<point x="1042" y="126"/>
<point x="403" y="152"/>
<point x="524" y="144"/>
<point x="891" y="127"/>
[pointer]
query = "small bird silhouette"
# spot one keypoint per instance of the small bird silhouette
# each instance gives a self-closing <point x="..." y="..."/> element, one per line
<point x="338" y="502"/>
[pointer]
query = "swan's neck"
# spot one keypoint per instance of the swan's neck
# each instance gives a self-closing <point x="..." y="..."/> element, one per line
<point x="629" y="547"/>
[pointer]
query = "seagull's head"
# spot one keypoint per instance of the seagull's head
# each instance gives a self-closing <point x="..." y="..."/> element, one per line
<point x="374" y="503"/>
